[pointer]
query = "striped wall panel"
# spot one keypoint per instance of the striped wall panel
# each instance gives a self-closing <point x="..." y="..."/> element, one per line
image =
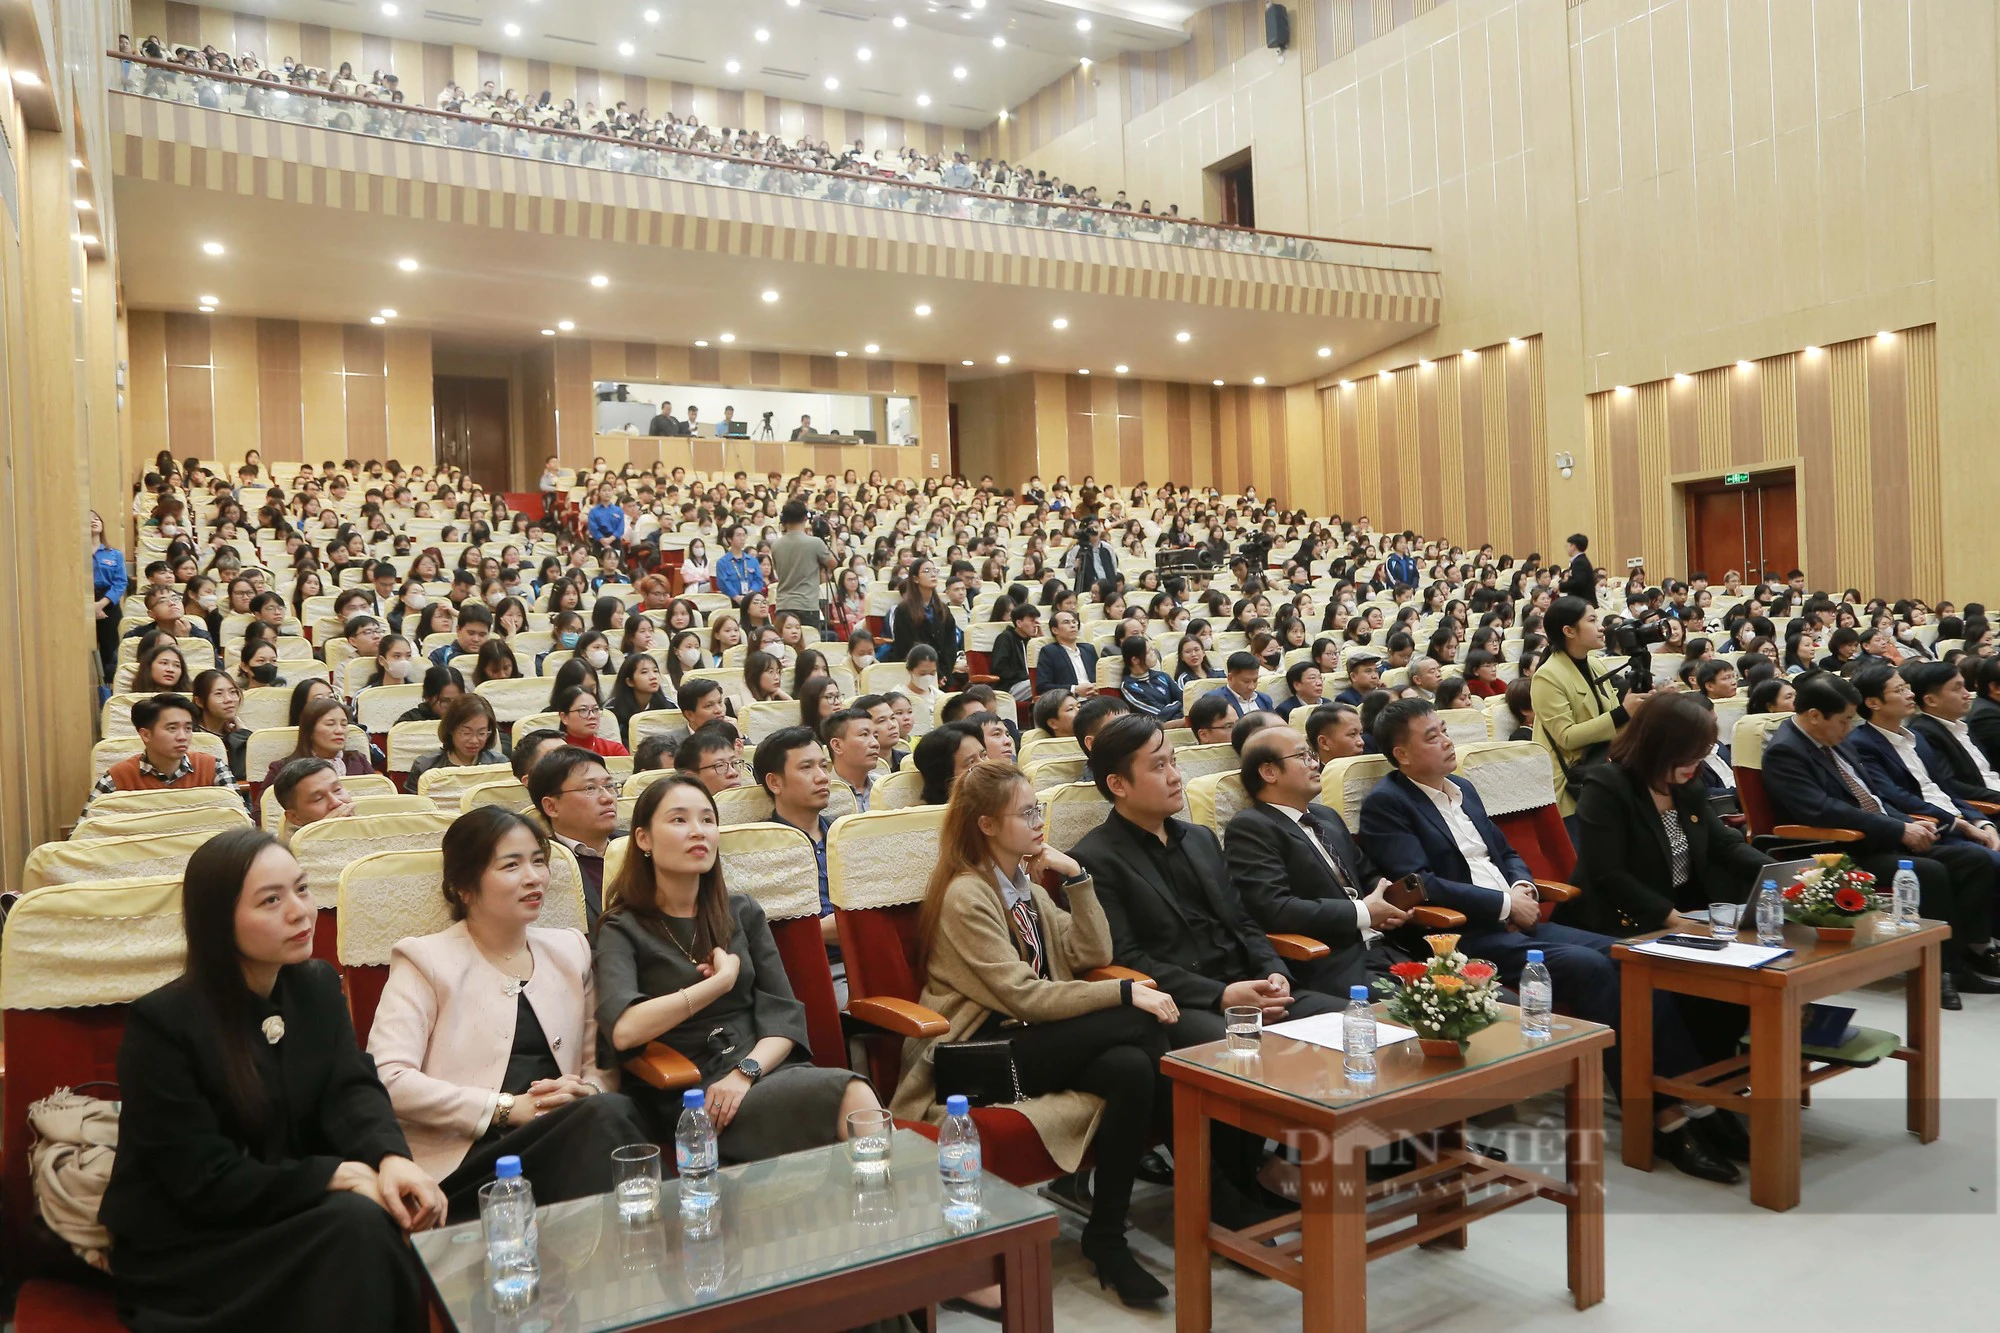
<point x="1056" y="109"/>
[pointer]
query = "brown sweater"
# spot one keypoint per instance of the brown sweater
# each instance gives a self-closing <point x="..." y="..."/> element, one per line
<point x="125" y="775"/>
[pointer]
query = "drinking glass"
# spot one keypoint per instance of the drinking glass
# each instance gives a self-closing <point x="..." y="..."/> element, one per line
<point x="1246" y="1028"/>
<point x="635" y="1180"/>
<point x="868" y="1141"/>
<point x="1722" y="919"/>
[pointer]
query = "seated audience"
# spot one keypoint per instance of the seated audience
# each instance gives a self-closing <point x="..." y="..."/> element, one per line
<point x="577" y="709"/>
<point x="1009" y="657"/>
<point x="219" y="699"/>
<point x="792" y="768"/>
<point x="1240" y="691"/>
<point x="323" y="734"/>
<point x="1901" y="766"/>
<point x="166" y="724"/>
<point x="944" y="754"/>
<point x="710" y="757"/>
<point x="309" y="790"/>
<point x="1055" y="712"/>
<point x="467" y="734"/>
<point x="578" y="797"/>
<point x="1334" y="732"/>
<point x="850" y="739"/>
<point x="441" y="685"/>
<point x="1147" y="688"/>
<point x="1943" y="701"/>
<point x="1068" y="663"/>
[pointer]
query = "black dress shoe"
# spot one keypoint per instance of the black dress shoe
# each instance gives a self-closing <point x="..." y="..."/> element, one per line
<point x="1694" y="1157"/>
<point x="992" y="1314"/>
<point x="1725" y="1133"/>
<point x="1948" y="993"/>
<point x="1154" y="1169"/>
<point x="1972" y="982"/>
<point x="1986" y="962"/>
<point x="1233" y="1209"/>
<point x="1071" y="1192"/>
<point x="1118" y="1269"/>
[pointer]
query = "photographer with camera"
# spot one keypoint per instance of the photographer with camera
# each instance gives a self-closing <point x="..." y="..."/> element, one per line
<point x="800" y="560"/>
<point x="1577" y="703"/>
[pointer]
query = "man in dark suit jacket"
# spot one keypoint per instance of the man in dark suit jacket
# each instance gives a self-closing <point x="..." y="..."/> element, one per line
<point x="1009" y="658"/>
<point x="1092" y="560"/>
<point x="1901" y="767"/>
<point x="1054" y="668"/>
<point x="1944" y="699"/>
<point x="1811" y="776"/>
<point x="1581" y="581"/>
<point x="1297" y="869"/>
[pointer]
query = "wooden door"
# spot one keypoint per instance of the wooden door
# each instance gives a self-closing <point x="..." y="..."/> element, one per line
<point x="473" y="428"/>
<point x="1779" y="526"/>
<point x="1751" y="527"/>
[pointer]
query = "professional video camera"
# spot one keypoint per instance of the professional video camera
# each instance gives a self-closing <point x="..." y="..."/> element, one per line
<point x="1634" y="639"/>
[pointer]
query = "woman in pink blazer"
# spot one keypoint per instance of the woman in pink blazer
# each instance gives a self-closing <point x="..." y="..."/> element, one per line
<point x="486" y="1035"/>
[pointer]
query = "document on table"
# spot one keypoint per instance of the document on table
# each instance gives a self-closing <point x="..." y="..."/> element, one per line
<point x="1325" y="1030"/>
<point x="1732" y="954"/>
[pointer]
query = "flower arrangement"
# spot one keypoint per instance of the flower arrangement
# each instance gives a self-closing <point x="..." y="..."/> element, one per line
<point x="1447" y="999"/>
<point x="1835" y="892"/>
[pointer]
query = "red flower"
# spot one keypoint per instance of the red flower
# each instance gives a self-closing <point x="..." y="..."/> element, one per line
<point x="1479" y="972"/>
<point x="1850" y="900"/>
<point x="1794" y="892"/>
<point x="1863" y="876"/>
<point x="1408" y="972"/>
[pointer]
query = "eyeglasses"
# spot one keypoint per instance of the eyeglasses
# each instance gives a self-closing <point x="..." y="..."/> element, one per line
<point x="1311" y="759"/>
<point x="588" y="714"/>
<point x="1032" y="816"/>
<point x="605" y="788"/>
<point x="719" y="767"/>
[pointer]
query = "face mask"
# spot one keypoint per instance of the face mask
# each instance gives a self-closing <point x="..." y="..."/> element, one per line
<point x="690" y="656"/>
<point x="495" y="598"/>
<point x="402" y="668"/>
<point x="207" y="600"/>
<point x="169" y="530"/>
<point x="597" y="657"/>
<point x="266" y="674"/>
<point x="416" y="601"/>
<point x="569" y="638"/>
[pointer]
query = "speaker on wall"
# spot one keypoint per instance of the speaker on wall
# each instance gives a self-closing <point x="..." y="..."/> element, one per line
<point x="1277" y="27"/>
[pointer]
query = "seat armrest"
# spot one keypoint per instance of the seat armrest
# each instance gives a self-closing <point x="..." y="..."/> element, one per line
<point x="1812" y="833"/>
<point x="661" y="1066"/>
<point x="1555" y="891"/>
<point x="1988" y="808"/>
<point x="1117" y="973"/>
<point x="982" y="680"/>
<point x="1298" y="948"/>
<point x="905" y="1018"/>
<point x="1437" y="918"/>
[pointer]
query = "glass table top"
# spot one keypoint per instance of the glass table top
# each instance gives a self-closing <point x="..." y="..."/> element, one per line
<point x="781" y="1222"/>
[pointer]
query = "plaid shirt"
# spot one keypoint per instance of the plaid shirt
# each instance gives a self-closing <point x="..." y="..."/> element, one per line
<point x="223" y="778"/>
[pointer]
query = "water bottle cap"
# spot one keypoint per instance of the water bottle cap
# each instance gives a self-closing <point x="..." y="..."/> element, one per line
<point x="1903" y="865"/>
<point x="1770" y="883"/>
<point x="957" y="1105"/>
<point x="1358" y="994"/>
<point x="694" y="1099"/>
<point x="507" y="1168"/>
<point x="1534" y="955"/>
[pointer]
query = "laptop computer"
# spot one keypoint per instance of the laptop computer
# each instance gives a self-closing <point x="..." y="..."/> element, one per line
<point x="736" y="430"/>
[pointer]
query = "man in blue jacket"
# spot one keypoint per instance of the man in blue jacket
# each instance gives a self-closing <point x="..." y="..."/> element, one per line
<point x="607" y="516"/>
<point x="738" y="573"/>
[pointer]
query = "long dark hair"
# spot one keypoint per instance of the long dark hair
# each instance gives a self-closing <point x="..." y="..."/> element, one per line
<point x="210" y="889"/>
<point x="634" y="892"/>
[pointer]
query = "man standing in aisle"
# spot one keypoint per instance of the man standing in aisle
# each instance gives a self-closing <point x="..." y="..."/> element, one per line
<point x="800" y="560"/>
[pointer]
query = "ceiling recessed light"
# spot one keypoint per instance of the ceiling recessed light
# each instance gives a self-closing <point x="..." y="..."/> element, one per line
<point x="899" y="22"/>
<point x="1059" y="323"/>
<point x="511" y="29"/>
<point x="733" y="66"/>
<point x="211" y="247"/>
<point x="207" y="310"/>
<point x="1423" y="365"/>
<point x="548" y="333"/>
<point x="791" y="4"/>
<point x="1085" y="62"/>
<point x="1083" y="372"/>
<point x="998" y="41"/>
<point x="389" y="11"/>
<point x="1513" y="342"/>
<point x="701" y="342"/>
<point x="965" y="363"/>
<point x="770" y="298"/>
<point x="872" y="348"/>
<point x="1885" y="335"/>
<point x="1083" y="25"/>
<point x="1466" y="352"/>
<point x="1326" y="351"/>
<point x="27" y="78"/>
<point x="1811" y="350"/>
<point x="923" y="99"/>
<point x="626" y="48"/>
<point x="1123" y="370"/>
<point x="1347" y="384"/>
<point x="1216" y="383"/>
<point x="599" y="280"/>
<point x="84" y="206"/>
<point x="864" y="54"/>
<point x="1256" y="379"/>
<point x="1683" y="378"/>
<point x="77" y="163"/>
<point x="832" y="84"/>
<point x="1743" y="365"/>
<point x="762" y="34"/>
<point x="1388" y="374"/>
<point x="958" y="72"/>
<point x="842" y="352"/>
<point x="377" y="319"/>
<point x="388" y="312"/>
<point x="728" y="337"/>
<point x="651" y="16"/>
<point x="922" y="311"/>
<point x="1003" y="360"/>
<point x="1621" y="389"/>
<point x="206" y="300"/>
<point x="407" y="265"/>
<point x="566" y="324"/>
<point x="979" y="4"/>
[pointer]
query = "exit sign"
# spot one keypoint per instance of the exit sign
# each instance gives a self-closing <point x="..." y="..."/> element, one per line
<point x="1735" y="478"/>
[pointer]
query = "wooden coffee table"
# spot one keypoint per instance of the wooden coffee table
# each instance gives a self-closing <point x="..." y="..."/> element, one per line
<point x="1770" y="1082"/>
<point x="1297" y="1093"/>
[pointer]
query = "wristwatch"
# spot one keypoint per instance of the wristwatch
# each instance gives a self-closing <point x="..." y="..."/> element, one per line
<point x="750" y="1069"/>
<point x="503" y="1108"/>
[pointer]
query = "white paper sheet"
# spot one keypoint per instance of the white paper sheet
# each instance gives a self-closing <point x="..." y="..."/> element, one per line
<point x="1729" y="955"/>
<point x="1325" y="1030"/>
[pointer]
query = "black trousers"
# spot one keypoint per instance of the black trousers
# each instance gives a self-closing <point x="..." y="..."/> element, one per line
<point x="1113" y="1054"/>
<point x="1236" y="1153"/>
<point x="107" y="643"/>
<point x="1955" y="882"/>
<point x="565" y="1154"/>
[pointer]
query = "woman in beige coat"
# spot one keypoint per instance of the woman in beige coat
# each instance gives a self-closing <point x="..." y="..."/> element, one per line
<point x="1001" y="961"/>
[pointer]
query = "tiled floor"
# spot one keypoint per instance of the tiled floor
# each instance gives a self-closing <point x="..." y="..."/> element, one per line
<point x="1884" y="1222"/>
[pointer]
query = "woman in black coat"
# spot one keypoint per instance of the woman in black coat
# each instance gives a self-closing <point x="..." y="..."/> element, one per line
<point x="261" y="1180"/>
<point x="922" y="617"/>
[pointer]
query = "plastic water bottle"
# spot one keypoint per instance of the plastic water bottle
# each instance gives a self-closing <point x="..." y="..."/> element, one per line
<point x="508" y="1215"/>
<point x="1770" y="914"/>
<point x="959" y="1164"/>
<point x="696" y="1157"/>
<point x="1358" y="1035"/>
<point x="1906" y="896"/>
<point x="1538" y="998"/>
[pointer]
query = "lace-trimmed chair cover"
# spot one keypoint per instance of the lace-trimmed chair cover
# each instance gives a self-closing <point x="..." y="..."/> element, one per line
<point x="1201" y="761"/>
<point x="1072" y="811"/>
<point x="746" y="805"/>
<point x="1466" y="726"/>
<point x="147" y="855"/>
<point x="378" y="708"/>
<point x="883" y="858"/>
<point x="1194" y="689"/>
<point x="265" y="706"/>
<point x="108" y="752"/>
<point x="1049" y="773"/>
<point x="409" y="742"/>
<point x="219" y="818"/>
<point x="1048" y="747"/>
<point x="506" y="793"/>
<point x="115" y="718"/>
<point x="1345" y="783"/>
<point x="766" y="717"/>
<point x="515" y="699"/>
<point x="656" y="722"/>
<point x="1215" y="800"/>
<point x="902" y="790"/>
<point x="776" y="865"/>
<point x="1746" y="756"/>
<point x="1728" y="712"/>
<point x="1500" y="722"/>
<point x="166" y="798"/>
<point x="371" y="787"/>
<point x="327" y="848"/>
<point x="445" y="786"/>
<point x="1517" y="787"/>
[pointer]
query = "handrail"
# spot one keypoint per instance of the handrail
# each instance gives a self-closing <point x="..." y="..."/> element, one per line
<point x="1226" y="236"/>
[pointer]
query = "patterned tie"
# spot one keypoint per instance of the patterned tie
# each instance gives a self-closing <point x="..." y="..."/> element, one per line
<point x="1031" y="937"/>
<point x="1325" y="840"/>
<point x="1862" y="796"/>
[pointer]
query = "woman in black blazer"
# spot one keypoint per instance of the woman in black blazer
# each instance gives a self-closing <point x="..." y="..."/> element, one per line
<point x="922" y="617"/>
<point x="261" y="1180"/>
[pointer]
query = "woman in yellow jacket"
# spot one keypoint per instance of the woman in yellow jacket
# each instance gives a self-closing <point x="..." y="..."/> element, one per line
<point x="1576" y="703"/>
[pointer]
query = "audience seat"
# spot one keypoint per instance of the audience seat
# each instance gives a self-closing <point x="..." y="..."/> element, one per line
<point x="1200" y="761"/>
<point x="217" y="818"/>
<point x="326" y="849"/>
<point x="376" y="709"/>
<point x="1214" y="800"/>
<point x="108" y="752"/>
<point x="1048" y="747"/>
<point x="1345" y="783"/>
<point x="1047" y="773"/>
<point x="265" y="706"/>
<point x="1746" y="757"/>
<point x="271" y="815"/>
<point x="654" y="722"/>
<point x="898" y="791"/>
<point x="745" y="805"/>
<point x="446" y="785"/>
<point x="776" y="865"/>
<point x="146" y="855"/>
<point x="1194" y="689"/>
<point x="1517" y="787"/>
<point x="765" y="717"/>
<point x="1071" y="811"/>
<point x="506" y="792"/>
<point x="408" y="742"/>
<point x="166" y="798"/>
<point x="1466" y="726"/>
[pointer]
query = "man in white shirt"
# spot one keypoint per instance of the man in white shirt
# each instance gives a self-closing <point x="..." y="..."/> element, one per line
<point x="1943" y="702"/>
<point x="1901" y="767"/>
<point x="851" y="739"/>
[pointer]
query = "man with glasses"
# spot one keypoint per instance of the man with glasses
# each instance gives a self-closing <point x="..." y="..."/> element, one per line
<point x="575" y="793"/>
<point x="709" y="756"/>
<point x="1297" y="868"/>
<point x="164" y="605"/>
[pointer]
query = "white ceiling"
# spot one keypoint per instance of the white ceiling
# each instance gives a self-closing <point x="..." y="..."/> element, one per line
<point x="809" y="42"/>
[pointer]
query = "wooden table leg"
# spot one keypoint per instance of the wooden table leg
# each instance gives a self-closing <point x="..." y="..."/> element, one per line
<point x="1446" y="1139"/>
<point x="1920" y="998"/>
<point x="1583" y="1106"/>
<point x="1333" y="1225"/>
<point x="1026" y="1292"/>
<point x="1635" y="1049"/>
<point x="1191" y="1167"/>
<point x="1774" y="1100"/>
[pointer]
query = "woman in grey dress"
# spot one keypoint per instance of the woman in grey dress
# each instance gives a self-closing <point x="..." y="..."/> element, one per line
<point x="683" y="961"/>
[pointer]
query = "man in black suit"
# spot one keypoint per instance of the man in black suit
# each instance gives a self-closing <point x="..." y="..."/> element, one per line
<point x="665" y="424"/>
<point x="1813" y="776"/>
<point x="1900" y="765"/>
<point x="1581" y="581"/>
<point x="1944" y="700"/>
<point x="1068" y="663"/>
<point x="1716" y="679"/>
<point x="1297" y="869"/>
<point x="1009" y="658"/>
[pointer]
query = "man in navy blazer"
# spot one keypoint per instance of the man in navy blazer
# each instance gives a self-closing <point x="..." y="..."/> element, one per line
<point x="1902" y="767"/>
<point x="1240" y="691"/>
<point x="1055" y="669"/>
<point x="1813" y="774"/>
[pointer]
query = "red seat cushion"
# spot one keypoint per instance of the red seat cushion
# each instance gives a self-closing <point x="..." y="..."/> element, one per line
<point x="47" y="1049"/>
<point x="1008" y="1145"/>
<point x="63" y="1307"/>
<point x="804" y="954"/>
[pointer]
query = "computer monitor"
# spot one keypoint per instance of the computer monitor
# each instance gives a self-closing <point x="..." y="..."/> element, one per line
<point x="865" y="436"/>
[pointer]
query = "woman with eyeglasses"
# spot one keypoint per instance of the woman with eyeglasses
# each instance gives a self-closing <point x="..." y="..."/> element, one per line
<point x="1002" y="962"/>
<point x="577" y="711"/>
<point x="468" y="734"/>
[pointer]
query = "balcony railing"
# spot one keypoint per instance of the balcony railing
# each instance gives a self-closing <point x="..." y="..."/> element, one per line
<point x="168" y="81"/>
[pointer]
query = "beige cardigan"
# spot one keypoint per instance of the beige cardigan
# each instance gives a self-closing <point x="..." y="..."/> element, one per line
<point x="976" y="970"/>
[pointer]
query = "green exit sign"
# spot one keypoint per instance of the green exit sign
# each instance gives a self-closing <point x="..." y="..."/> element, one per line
<point x="1736" y="478"/>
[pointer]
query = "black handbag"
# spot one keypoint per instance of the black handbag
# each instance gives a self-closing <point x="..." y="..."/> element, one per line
<point x="982" y="1072"/>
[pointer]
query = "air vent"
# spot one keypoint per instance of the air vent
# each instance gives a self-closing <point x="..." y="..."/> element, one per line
<point x="978" y="110"/>
<point x="669" y="55"/>
<point x="879" y="92"/>
<point x="781" y="73"/>
<point x="573" y="41"/>
<point x="843" y="14"/>
<point x="463" y="20"/>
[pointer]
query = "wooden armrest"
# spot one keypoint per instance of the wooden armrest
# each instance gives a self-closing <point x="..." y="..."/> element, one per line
<point x="1437" y="918"/>
<point x="982" y="680"/>
<point x="1117" y="973"/>
<point x="1809" y="833"/>
<point x="1555" y="891"/>
<point x="1298" y="948"/>
<point x="1985" y="807"/>
<point x="663" y="1067"/>
<point x="905" y="1018"/>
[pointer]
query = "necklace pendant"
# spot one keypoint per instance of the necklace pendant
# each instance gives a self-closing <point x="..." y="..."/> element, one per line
<point x="274" y="1028"/>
